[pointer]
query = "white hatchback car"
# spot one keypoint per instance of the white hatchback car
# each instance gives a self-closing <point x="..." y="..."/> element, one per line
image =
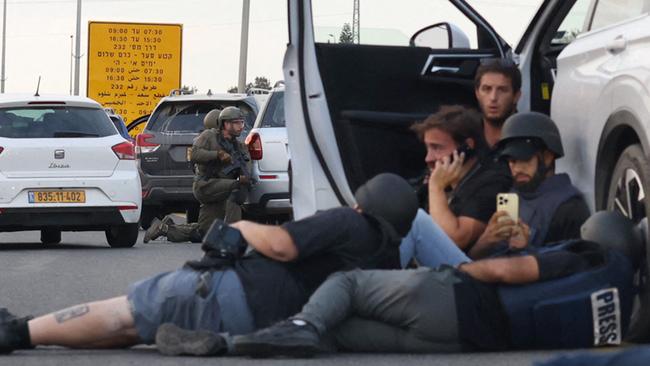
<point x="65" y="167"/>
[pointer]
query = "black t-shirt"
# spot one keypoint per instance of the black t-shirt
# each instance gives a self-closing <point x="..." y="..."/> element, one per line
<point x="567" y="220"/>
<point x="334" y="240"/>
<point x="482" y="322"/>
<point x="475" y="195"/>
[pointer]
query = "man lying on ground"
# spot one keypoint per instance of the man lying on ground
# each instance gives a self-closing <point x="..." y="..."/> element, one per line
<point x="227" y="293"/>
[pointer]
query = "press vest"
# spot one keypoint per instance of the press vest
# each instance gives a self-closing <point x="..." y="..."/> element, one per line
<point x="589" y="308"/>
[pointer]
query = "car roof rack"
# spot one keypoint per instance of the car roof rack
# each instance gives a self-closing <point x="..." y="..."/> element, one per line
<point x="252" y="91"/>
<point x="177" y="92"/>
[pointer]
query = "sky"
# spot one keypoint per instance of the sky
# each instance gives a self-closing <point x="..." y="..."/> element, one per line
<point x="38" y="33"/>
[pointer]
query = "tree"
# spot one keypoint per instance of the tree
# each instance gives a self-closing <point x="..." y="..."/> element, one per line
<point x="346" y="34"/>
<point x="261" y="82"/>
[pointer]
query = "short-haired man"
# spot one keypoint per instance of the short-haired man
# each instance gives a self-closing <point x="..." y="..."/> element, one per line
<point x="497" y="86"/>
<point x="461" y="185"/>
<point x="226" y="292"/>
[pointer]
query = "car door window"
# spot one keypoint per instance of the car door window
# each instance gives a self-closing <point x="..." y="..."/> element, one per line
<point x="384" y="22"/>
<point x="573" y="24"/>
<point x="614" y="11"/>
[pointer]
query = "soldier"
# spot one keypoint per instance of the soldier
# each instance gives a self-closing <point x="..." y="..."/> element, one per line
<point x="222" y="176"/>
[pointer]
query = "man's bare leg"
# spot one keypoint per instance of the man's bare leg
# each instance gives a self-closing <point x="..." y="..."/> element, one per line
<point x="100" y="324"/>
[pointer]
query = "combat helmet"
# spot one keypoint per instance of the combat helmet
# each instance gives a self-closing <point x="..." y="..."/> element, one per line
<point x="229" y="113"/>
<point x="211" y="120"/>
<point x="532" y="125"/>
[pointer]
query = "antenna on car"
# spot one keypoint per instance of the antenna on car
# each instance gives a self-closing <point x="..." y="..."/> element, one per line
<point x="38" y="86"/>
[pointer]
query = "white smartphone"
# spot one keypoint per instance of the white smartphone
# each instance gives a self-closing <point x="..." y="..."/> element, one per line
<point x="509" y="202"/>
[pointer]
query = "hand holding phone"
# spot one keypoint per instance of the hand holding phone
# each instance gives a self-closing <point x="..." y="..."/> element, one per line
<point x="509" y="202"/>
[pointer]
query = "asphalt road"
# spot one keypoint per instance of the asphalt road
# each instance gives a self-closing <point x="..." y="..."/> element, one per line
<point x="35" y="280"/>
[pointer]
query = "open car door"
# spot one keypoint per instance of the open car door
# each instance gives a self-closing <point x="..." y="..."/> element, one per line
<point x="349" y="105"/>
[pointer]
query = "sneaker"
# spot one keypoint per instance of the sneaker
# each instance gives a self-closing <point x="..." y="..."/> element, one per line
<point x="157" y="229"/>
<point x="174" y="341"/>
<point x="14" y="333"/>
<point x="293" y="338"/>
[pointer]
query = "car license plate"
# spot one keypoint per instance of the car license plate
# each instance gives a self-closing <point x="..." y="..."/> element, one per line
<point x="188" y="154"/>
<point x="57" y="196"/>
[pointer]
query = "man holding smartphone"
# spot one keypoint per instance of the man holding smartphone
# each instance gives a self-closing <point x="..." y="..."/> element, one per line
<point x="551" y="208"/>
<point x="460" y="187"/>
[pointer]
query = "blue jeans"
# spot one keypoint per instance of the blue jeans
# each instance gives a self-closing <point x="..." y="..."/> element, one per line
<point x="429" y="244"/>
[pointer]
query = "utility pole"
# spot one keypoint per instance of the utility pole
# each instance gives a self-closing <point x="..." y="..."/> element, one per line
<point x="356" y="30"/>
<point x="243" y="50"/>
<point x="77" y="54"/>
<point x="71" y="61"/>
<point x="4" y="48"/>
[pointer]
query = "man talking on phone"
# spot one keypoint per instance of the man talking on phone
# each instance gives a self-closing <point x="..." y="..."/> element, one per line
<point x="551" y="208"/>
<point x="461" y="186"/>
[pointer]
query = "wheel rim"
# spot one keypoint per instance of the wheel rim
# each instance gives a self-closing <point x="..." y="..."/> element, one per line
<point x="630" y="196"/>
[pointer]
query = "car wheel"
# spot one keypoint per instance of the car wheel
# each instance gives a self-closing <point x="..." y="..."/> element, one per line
<point x="630" y="180"/>
<point x="122" y="236"/>
<point x="50" y="236"/>
<point x="147" y="215"/>
<point x="192" y="214"/>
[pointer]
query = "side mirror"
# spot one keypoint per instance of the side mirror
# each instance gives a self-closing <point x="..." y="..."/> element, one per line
<point x="440" y="36"/>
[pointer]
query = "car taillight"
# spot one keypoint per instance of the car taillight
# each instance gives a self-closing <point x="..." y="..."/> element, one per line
<point x="254" y="143"/>
<point x="142" y="144"/>
<point x="124" y="151"/>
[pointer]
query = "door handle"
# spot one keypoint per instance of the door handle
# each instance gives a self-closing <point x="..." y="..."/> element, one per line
<point x="617" y="45"/>
<point x="435" y="69"/>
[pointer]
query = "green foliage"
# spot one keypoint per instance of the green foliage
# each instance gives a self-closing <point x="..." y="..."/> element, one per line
<point x="346" y="34"/>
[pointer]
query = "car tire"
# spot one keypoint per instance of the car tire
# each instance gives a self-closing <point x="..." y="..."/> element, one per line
<point x="192" y="214"/>
<point x="147" y="215"/>
<point x="50" y="236"/>
<point x="630" y="180"/>
<point x="122" y="236"/>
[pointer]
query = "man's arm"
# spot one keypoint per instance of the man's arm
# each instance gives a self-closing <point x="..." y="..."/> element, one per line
<point x="201" y="153"/>
<point x="272" y="241"/>
<point x="462" y="230"/>
<point x="510" y="270"/>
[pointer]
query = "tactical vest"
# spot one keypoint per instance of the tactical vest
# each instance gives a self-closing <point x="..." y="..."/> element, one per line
<point x="586" y="309"/>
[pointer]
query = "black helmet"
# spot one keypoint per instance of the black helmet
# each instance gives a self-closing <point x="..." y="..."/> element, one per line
<point x="613" y="230"/>
<point x="211" y="120"/>
<point x="389" y="197"/>
<point x="532" y="125"/>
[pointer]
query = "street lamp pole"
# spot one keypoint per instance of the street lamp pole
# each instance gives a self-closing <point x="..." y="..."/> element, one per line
<point x="77" y="54"/>
<point x="4" y="48"/>
<point x="71" y="61"/>
<point x="243" y="50"/>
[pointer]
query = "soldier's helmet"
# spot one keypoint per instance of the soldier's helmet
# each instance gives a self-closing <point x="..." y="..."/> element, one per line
<point x="229" y="113"/>
<point x="532" y="125"/>
<point x="211" y="120"/>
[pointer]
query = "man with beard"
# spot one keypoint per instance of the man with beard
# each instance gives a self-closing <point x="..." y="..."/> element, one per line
<point x="497" y="86"/>
<point x="551" y="208"/>
<point x="221" y="177"/>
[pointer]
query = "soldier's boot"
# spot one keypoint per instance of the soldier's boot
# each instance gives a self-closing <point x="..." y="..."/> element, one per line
<point x="14" y="332"/>
<point x="172" y="340"/>
<point x="157" y="229"/>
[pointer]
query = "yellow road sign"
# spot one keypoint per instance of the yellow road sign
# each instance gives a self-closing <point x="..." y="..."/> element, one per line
<point x="132" y="65"/>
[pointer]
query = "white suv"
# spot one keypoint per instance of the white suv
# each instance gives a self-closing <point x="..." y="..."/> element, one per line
<point x="268" y="199"/>
<point x="65" y="167"/>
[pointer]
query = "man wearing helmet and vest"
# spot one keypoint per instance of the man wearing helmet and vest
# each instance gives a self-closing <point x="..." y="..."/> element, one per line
<point x="222" y="175"/>
<point x="550" y="207"/>
<point x="232" y="291"/>
<point x="576" y="294"/>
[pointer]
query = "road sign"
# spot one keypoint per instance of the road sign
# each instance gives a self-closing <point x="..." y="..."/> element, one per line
<point x="132" y="65"/>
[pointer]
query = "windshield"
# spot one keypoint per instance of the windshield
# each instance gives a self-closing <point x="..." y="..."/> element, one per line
<point x="274" y="113"/>
<point x="508" y="18"/>
<point x="187" y="116"/>
<point x="48" y="122"/>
